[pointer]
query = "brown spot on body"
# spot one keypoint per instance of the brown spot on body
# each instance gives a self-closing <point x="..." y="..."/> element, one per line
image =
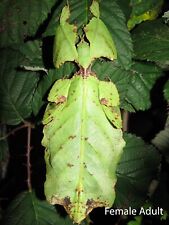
<point x="116" y="116"/>
<point x="104" y="101"/>
<point x="86" y="138"/>
<point x="85" y="29"/>
<point x="61" y="147"/>
<point x="60" y="99"/>
<point x="79" y="191"/>
<point x="70" y="165"/>
<point x="75" y="29"/>
<point x="71" y="136"/>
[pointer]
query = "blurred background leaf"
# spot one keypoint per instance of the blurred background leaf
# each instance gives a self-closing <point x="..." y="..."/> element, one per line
<point x="137" y="168"/>
<point x="16" y="89"/>
<point x="143" y="10"/>
<point x="27" y="209"/>
<point x="21" y="19"/>
<point x="151" y="42"/>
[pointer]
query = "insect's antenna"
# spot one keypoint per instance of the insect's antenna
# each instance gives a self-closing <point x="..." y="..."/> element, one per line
<point x="67" y="2"/>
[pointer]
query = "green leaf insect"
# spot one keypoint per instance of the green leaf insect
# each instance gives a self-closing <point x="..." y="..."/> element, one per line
<point x="82" y="125"/>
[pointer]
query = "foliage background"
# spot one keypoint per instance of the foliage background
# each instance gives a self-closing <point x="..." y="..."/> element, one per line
<point x="140" y="73"/>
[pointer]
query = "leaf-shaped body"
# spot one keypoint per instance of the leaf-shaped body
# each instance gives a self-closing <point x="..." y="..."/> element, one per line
<point x="98" y="34"/>
<point x="82" y="150"/>
<point x="65" y="39"/>
<point x="109" y="98"/>
<point x="83" y="50"/>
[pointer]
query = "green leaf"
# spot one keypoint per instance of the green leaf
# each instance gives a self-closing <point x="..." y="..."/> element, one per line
<point x="80" y="140"/>
<point x="27" y="209"/>
<point x="111" y="15"/>
<point x="137" y="221"/>
<point x="125" y="7"/>
<point x="166" y="91"/>
<point x="136" y="169"/>
<point x="46" y="82"/>
<point x="133" y="85"/>
<point x="143" y="10"/>
<point x="20" y="19"/>
<point x="141" y="6"/>
<point x="151" y="42"/>
<point x="16" y="89"/>
<point x="114" y="19"/>
<point x="32" y="52"/>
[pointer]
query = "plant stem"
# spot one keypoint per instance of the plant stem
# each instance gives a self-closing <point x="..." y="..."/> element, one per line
<point x="14" y="131"/>
<point x="125" y="120"/>
<point x="28" y="164"/>
<point x="29" y="127"/>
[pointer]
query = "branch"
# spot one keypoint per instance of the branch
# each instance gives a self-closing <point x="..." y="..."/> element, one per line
<point x="29" y="127"/>
<point x="12" y="132"/>
<point x="125" y="116"/>
<point x="28" y="164"/>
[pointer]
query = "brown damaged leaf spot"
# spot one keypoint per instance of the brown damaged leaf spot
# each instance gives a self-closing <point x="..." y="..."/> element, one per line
<point x="104" y="101"/>
<point x="71" y="136"/>
<point x="56" y="200"/>
<point x="60" y="99"/>
<point x="61" y="201"/>
<point x="67" y="201"/>
<point x="91" y="204"/>
<point x="85" y="29"/>
<point x="70" y="165"/>
<point x="116" y="117"/>
<point x="75" y="29"/>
